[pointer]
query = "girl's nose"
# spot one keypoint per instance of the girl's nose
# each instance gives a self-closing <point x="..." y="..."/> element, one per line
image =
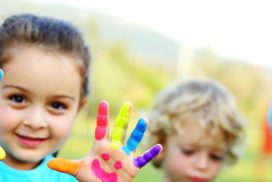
<point x="35" y="119"/>
<point x="202" y="161"/>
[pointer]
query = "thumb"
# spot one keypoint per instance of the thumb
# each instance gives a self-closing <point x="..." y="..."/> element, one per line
<point x="64" y="166"/>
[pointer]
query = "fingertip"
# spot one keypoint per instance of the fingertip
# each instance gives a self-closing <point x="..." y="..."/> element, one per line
<point x="142" y="123"/>
<point x="146" y="120"/>
<point x="63" y="165"/>
<point x="53" y="163"/>
<point x="157" y="148"/>
<point x="127" y="106"/>
<point x="103" y="107"/>
<point x="104" y="102"/>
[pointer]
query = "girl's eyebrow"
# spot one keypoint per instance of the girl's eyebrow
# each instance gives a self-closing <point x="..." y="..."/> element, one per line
<point x="64" y="96"/>
<point x="16" y="87"/>
<point x="25" y="90"/>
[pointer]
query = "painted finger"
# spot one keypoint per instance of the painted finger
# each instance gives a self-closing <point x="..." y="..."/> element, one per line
<point x="64" y="166"/>
<point x="102" y="120"/>
<point x="136" y="136"/>
<point x="120" y="125"/>
<point x="142" y="160"/>
<point x="2" y="153"/>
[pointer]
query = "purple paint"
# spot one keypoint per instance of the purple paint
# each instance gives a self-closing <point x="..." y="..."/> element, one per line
<point x="142" y="160"/>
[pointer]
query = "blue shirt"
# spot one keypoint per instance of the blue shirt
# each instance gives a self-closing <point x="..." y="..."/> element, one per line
<point x="39" y="174"/>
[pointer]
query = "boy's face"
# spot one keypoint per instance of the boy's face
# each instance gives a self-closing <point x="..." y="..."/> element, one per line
<point x="39" y="100"/>
<point x="193" y="156"/>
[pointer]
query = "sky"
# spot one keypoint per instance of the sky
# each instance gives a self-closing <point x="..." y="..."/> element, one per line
<point x="238" y="29"/>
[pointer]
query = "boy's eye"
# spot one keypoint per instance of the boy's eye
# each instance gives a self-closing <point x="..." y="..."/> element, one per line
<point x="17" y="98"/>
<point x="216" y="157"/>
<point x="58" y="105"/>
<point x="187" y="151"/>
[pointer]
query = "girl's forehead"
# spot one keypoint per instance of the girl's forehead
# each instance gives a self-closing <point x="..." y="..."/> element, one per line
<point x="42" y="73"/>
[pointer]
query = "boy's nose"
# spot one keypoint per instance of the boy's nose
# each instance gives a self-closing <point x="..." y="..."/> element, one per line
<point x="35" y="119"/>
<point x="202" y="161"/>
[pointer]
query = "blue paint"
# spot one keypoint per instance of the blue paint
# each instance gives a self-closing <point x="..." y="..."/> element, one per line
<point x="135" y="137"/>
<point x="1" y="74"/>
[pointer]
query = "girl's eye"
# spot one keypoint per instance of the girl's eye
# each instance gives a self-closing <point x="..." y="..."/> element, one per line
<point x="58" y="106"/>
<point x="217" y="157"/>
<point x="17" y="98"/>
<point x="187" y="151"/>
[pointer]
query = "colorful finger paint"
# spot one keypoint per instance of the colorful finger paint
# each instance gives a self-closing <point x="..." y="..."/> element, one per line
<point x="102" y="120"/>
<point x="135" y="137"/>
<point x="120" y="125"/>
<point x="147" y="156"/>
<point x="101" y="174"/>
<point x="63" y="165"/>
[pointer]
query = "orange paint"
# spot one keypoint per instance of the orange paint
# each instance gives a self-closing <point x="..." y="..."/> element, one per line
<point x="64" y="166"/>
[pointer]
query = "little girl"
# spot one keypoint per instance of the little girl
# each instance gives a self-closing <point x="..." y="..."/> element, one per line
<point x="200" y="128"/>
<point x="45" y="62"/>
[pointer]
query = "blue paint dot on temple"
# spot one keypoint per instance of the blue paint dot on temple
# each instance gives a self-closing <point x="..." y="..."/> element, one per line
<point x="1" y="74"/>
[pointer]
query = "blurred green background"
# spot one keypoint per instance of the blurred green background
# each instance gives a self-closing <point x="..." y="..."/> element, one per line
<point x="131" y="63"/>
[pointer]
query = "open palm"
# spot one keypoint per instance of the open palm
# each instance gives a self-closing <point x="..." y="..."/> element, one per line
<point x="108" y="160"/>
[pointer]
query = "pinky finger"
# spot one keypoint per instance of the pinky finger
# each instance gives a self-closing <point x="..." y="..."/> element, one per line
<point x="145" y="158"/>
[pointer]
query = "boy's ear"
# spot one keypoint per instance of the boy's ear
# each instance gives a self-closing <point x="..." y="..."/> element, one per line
<point x="82" y="103"/>
<point x="162" y="139"/>
<point x="158" y="160"/>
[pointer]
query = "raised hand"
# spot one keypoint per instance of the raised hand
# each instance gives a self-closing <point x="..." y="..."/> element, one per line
<point x="108" y="160"/>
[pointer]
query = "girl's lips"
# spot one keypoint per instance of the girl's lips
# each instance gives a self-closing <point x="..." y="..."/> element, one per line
<point x="196" y="179"/>
<point x="30" y="142"/>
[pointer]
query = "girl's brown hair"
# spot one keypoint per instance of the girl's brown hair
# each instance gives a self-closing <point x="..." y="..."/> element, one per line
<point x="49" y="34"/>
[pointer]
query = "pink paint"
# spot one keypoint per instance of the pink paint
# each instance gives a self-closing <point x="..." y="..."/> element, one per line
<point x="101" y="174"/>
<point x="105" y="156"/>
<point x="118" y="165"/>
<point x="101" y="120"/>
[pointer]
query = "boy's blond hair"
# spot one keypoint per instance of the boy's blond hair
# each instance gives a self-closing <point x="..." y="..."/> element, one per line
<point x="198" y="100"/>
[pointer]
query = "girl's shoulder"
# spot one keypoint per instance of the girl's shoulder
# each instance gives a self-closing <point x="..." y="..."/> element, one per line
<point x="40" y="173"/>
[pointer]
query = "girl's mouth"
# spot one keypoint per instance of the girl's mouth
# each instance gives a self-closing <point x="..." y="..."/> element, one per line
<point x="30" y="142"/>
<point x="196" y="179"/>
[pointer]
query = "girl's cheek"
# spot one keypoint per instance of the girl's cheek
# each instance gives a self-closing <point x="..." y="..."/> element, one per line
<point x="61" y="128"/>
<point x="8" y="118"/>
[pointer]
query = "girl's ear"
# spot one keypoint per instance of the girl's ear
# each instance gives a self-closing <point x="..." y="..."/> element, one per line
<point x="82" y="103"/>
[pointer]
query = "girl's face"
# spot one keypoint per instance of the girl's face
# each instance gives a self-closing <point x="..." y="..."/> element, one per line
<point x="194" y="156"/>
<point x="39" y="100"/>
